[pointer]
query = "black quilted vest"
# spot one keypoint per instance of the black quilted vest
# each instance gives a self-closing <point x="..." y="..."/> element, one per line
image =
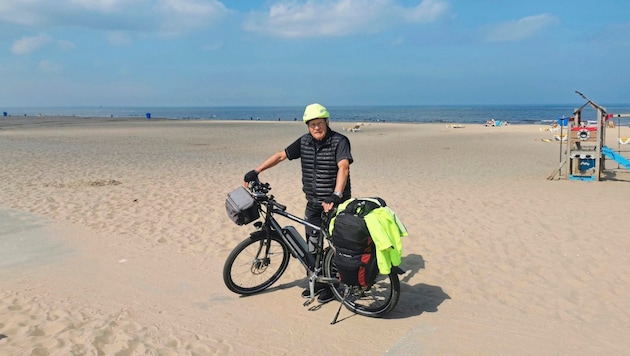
<point x="319" y="167"/>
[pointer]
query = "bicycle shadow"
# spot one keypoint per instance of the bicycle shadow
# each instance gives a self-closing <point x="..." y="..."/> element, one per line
<point x="414" y="299"/>
<point x="301" y="283"/>
<point x="419" y="298"/>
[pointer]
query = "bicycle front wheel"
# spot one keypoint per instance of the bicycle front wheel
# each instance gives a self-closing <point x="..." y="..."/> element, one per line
<point x="375" y="301"/>
<point x="255" y="264"/>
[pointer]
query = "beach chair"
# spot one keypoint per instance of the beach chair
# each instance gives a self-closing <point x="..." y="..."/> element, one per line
<point x="355" y="128"/>
<point x="553" y="127"/>
<point x="559" y="138"/>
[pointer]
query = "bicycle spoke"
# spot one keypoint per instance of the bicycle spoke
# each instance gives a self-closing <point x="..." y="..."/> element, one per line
<point x="252" y="267"/>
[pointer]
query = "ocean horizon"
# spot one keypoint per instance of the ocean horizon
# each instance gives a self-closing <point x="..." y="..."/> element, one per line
<point x="464" y="114"/>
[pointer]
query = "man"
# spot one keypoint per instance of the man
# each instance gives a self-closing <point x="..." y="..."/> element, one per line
<point x="326" y="158"/>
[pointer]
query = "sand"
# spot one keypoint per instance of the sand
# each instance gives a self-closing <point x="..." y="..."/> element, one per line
<point x="113" y="235"/>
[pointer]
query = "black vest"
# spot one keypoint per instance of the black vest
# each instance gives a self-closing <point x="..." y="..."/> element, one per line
<point x="319" y="167"/>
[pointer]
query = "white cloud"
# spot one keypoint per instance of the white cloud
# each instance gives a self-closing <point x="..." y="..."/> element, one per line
<point x="181" y="15"/>
<point x="190" y="7"/>
<point x="22" y="12"/>
<point x="172" y="16"/>
<point x="285" y="18"/>
<point x="338" y="17"/>
<point x="520" y="29"/>
<point x="101" y="5"/>
<point x="63" y="12"/>
<point x="427" y="11"/>
<point x="27" y="45"/>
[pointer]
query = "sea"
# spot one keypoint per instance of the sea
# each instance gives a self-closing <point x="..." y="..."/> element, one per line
<point x="459" y="114"/>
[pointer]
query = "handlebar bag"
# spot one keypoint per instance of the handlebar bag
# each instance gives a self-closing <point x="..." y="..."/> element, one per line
<point x="241" y="207"/>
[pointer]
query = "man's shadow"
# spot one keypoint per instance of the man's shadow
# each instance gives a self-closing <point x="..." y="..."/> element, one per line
<point x="419" y="298"/>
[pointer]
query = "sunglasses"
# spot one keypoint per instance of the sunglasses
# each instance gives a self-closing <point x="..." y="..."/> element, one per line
<point x="313" y="125"/>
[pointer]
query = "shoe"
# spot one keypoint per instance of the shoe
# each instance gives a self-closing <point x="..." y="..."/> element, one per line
<point x="325" y="296"/>
<point x="319" y="287"/>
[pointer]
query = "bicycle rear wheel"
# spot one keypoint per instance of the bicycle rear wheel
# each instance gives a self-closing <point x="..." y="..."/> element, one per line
<point x="255" y="264"/>
<point x="375" y="301"/>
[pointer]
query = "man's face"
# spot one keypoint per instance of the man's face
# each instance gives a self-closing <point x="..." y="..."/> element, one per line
<point x="317" y="128"/>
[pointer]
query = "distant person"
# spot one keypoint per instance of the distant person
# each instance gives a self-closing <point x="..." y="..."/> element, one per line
<point x="325" y="157"/>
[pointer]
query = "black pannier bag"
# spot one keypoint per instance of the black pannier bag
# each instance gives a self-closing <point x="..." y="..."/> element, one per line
<point x="241" y="206"/>
<point x="355" y="254"/>
<point x="356" y="269"/>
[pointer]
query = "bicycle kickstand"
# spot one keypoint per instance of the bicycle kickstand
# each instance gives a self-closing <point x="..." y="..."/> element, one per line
<point x="346" y="292"/>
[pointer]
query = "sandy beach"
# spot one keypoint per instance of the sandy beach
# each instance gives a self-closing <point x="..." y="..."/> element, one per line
<point x="113" y="235"/>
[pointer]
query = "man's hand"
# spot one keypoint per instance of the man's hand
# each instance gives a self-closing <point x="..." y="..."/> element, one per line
<point x="330" y="202"/>
<point x="250" y="176"/>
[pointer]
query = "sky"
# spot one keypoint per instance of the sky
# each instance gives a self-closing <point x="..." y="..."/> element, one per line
<point x="336" y="52"/>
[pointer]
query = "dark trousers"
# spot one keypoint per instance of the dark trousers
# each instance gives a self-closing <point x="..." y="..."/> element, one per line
<point x="313" y="215"/>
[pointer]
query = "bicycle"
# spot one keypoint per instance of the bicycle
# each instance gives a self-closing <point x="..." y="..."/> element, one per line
<point x="260" y="260"/>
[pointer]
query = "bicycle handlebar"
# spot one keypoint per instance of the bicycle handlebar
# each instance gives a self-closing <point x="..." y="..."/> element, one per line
<point x="257" y="187"/>
<point x="260" y="192"/>
<point x="279" y="206"/>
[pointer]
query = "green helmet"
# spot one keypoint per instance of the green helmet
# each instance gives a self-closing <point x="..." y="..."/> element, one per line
<point x="315" y="111"/>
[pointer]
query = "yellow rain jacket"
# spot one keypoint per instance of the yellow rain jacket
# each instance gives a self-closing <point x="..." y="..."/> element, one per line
<point x="386" y="231"/>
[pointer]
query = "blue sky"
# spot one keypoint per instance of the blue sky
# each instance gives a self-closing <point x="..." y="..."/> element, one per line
<point x="337" y="52"/>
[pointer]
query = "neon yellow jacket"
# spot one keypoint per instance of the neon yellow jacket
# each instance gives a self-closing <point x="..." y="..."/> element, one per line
<point x="386" y="231"/>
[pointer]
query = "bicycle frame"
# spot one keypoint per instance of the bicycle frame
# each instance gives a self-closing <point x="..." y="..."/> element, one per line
<point x="297" y="245"/>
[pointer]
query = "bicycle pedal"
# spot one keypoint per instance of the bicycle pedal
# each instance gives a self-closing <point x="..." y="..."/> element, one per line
<point x="309" y="301"/>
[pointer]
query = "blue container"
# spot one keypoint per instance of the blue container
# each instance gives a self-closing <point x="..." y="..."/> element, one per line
<point x="586" y="164"/>
<point x="4" y="114"/>
<point x="563" y="121"/>
<point x="148" y="115"/>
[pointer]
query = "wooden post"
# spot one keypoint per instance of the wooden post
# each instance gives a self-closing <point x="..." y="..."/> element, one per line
<point x="599" y="161"/>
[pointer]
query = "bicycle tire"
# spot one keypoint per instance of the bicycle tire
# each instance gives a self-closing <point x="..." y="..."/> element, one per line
<point x="376" y="301"/>
<point x="249" y="270"/>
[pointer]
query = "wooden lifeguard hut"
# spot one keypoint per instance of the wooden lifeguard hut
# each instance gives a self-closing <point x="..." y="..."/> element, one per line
<point x="585" y="144"/>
